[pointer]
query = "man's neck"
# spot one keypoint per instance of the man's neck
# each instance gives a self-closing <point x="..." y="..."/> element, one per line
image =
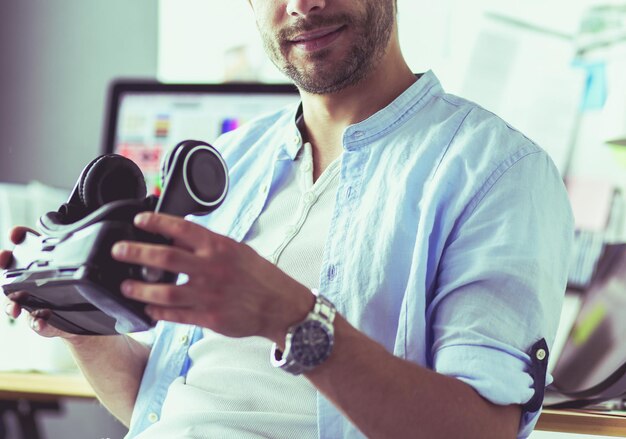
<point x="327" y="116"/>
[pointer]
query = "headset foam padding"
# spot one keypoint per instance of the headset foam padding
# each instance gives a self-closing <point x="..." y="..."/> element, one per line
<point x="109" y="178"/>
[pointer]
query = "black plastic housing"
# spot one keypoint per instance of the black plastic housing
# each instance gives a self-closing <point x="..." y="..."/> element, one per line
<point x="77" y="282"/>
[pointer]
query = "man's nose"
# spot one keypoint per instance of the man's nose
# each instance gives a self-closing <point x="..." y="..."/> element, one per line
<point x="304" y="7"/>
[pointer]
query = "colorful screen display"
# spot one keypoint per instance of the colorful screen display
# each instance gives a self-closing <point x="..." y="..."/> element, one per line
<point x="148" y="124"/>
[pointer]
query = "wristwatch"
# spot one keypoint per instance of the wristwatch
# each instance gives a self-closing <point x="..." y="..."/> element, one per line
<point x="308" y="343"/>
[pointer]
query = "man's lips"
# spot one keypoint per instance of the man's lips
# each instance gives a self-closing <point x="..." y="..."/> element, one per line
<point x="318" y="39"/>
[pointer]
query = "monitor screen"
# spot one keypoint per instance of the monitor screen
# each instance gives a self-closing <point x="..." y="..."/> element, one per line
<point x="147" y="119"/>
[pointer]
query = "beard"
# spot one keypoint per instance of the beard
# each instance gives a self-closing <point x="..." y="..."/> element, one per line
<point x="317" y="73"/>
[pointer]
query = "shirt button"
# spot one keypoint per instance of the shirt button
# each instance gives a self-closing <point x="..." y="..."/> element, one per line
<point x="184" y="339"/>
<point x="292" y="230"/>
<point x="296" y="140"/>
<point x="264" y="188"/>
<point x="153" y="417"/>
<point x="358" y="134"/>
<point x="332" y="272"/>
<point x="309" y="198"/>
<point x="306" y="167"/>
<point x="349" y="192"/>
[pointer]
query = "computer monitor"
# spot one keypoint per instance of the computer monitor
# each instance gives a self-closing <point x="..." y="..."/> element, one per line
<point x="146" y="119"/>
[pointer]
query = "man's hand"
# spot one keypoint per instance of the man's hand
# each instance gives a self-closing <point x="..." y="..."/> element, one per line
<point x="37" y="319"/>
<point x="230" y="288"/>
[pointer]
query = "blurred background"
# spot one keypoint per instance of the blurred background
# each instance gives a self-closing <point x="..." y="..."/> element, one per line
<point x="554" y="69"/>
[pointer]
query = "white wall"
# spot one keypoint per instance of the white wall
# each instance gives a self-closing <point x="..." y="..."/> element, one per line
<point x="57" y="59"/>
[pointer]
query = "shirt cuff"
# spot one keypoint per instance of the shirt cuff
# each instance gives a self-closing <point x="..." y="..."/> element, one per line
<point x="500" y="377"/>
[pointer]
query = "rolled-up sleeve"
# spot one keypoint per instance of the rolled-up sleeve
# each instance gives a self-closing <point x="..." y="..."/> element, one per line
<point x="501" y="282"/>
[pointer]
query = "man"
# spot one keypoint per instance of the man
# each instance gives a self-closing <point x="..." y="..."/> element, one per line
<point x="439" y="234"/>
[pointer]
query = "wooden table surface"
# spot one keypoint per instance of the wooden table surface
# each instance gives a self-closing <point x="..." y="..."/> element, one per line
<point x="43" y="386"/>
<point x="583" y="422"/>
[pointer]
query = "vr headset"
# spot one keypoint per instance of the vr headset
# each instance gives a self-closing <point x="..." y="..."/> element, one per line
<point x="68" y="273"/>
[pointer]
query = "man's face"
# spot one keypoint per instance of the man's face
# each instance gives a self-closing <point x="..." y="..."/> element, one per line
<point x="325" y="46"/>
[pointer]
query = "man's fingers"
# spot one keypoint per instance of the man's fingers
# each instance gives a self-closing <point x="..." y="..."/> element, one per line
<point x="37" y="320"/>
<point x="184" y="233"/>
<point x="40" y="325"/>
<point x="5" y="259"/>
<point x="159" y="294"/>
<point x="35" y="323"/>
<point x="17" y="234"/>
<point x="12" y="309"/>
<point x="158" y="256"/>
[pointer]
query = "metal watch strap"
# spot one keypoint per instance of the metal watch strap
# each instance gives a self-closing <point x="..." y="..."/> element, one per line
<point x="324" y="308"/>
<point x="324" y="312"/>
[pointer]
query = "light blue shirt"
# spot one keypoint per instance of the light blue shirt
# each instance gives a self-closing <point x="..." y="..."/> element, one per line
<point x="449" y="243"/>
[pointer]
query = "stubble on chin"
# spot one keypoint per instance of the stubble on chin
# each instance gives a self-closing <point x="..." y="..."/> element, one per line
<point x="317" y="72"/>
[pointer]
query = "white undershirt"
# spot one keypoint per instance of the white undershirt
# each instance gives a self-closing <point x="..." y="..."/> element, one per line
<point x="231" y="389"/>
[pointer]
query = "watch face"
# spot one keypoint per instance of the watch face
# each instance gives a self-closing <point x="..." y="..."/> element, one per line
<point x="311" y="343"/>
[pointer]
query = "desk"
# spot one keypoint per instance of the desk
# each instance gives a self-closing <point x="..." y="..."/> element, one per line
<point x="26" y="393"/>
<point x="45" y="387"/>
<point x="583" y="422"/>
<point x="41" y="386"/>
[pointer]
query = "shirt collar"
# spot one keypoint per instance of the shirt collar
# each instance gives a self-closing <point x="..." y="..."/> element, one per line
<point x="387" y="119"/>
<point x="360" y="134"/>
